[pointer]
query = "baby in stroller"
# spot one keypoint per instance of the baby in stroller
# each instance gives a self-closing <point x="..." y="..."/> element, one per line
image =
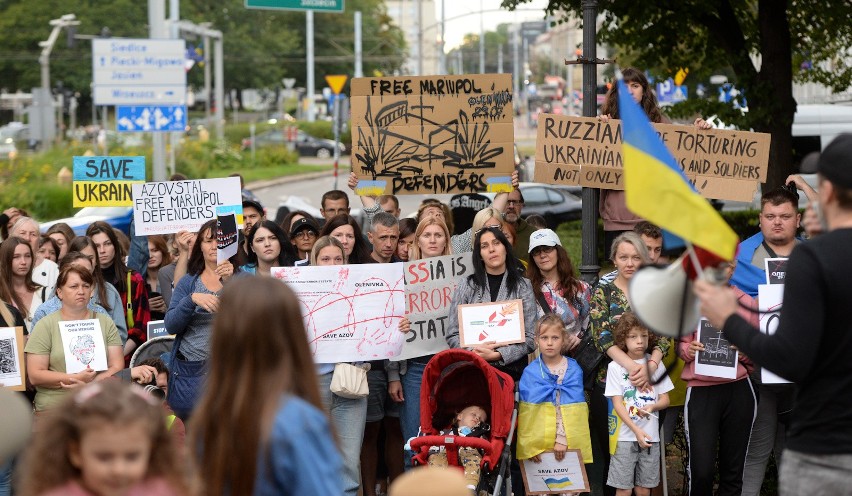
<point x="469" y="422"/>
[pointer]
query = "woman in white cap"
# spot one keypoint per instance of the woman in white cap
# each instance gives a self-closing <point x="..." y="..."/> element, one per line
<point x="556" y="287"/>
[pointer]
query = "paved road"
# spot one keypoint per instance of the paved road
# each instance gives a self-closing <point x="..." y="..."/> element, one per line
<point x="311" y="191"/>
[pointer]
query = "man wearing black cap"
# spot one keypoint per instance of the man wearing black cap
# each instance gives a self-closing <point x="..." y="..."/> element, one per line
<point x="252" y="214"/>
<point x="303" y="235"/>
<point x="813" y="340"/>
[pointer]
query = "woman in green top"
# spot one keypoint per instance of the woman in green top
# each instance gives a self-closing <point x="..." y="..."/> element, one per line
<point x="46" y="368"/>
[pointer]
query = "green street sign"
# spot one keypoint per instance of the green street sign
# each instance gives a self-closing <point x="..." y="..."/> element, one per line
<point x="319" y="5"/>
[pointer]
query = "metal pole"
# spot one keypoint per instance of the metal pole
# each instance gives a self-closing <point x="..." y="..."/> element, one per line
<point x="516" y="63"/>
<point x="309" y="45"/>
<point x="481" y="38"/>
<point x="219" y="82"/>
<point x="207" y="86"/>
<point x="500" y="59"/>
<point x="359" y="66"/>
<point x="336" y="137"/>
<point x="157" y="30"/>
<point x="442" y="55"/>
<point x="589" y="268"/>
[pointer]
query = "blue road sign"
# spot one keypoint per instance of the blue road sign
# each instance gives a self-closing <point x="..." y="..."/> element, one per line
<point x="165" y="118"/>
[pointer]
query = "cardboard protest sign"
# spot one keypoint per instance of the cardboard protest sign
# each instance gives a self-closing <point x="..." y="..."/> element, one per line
<point x="351" y="312"/>
<point x="555" y="477"/>
<point x="771" y="297"/>
<point x="584" y="151"/>
<point x="13" y="370"/>
<point x="429" y="287"/>
<point x="432" y="134"/>
<point x="172" y="206"/>
<point x="227" y="234"/>
<point x="717" y="359"/>
<point x="84" y="345"/>
<point x="106" y="181"/>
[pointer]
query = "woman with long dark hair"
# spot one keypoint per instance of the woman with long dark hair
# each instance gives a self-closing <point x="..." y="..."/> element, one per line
<point x="159" y="256"/>
<point x="345" y="229"/>
<point x="497" y="276"/>
<point x="268" y="247"/>
<point x="195" y="301"/>
<point x="612" y="204"/>
<point x="16" y="279"/>
<point x="556" y="286"/>
<point x="128" y="282"/>
<point x="261" y="429"/>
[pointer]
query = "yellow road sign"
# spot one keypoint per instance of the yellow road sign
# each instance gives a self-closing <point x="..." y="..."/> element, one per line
<point x="336" y="82"/>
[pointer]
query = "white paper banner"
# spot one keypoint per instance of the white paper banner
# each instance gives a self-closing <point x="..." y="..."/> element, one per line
<point x="770" y="297"/>
<point x="11" y="368"/>
<point x="717" y="359"/>
<point x="83" y="343"/>
<point x="429" y="288"/>
<point x="172" y="206"/>
<point x="351" y="312"/>
<point x="552" y="477"/>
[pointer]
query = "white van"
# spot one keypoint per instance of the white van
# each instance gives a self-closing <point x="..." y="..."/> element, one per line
<point x="814" y="127"/>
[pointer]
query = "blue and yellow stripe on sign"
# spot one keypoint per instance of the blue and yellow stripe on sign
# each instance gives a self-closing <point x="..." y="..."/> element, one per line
<point x="103" y="193"/>
<point x="106" y="181"/>
<point x="658" y="191"/>
<point x="554" y="483"/>
<point x="499" y="184"/>
<point x="370" y="188"/>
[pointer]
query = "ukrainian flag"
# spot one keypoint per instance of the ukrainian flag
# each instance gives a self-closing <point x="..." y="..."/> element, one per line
<point x="613" y="425"/>
<point x="537" y="411"/>
<point x="657" y="189"/>
<point x="555" y="484"/>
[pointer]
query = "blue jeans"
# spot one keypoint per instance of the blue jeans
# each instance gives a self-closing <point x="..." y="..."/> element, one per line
<point x="6" y="477"/>
<point x="409" y="414"/>
<point x="348" y="416"/>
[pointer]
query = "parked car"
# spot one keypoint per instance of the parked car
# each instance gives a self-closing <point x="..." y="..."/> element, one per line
<point x="118" y="217"/>
<point x="305" y="144"/>
<point x="556" y="203"/>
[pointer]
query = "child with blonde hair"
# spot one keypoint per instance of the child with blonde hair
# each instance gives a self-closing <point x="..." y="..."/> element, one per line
<point x="553" y="414"/>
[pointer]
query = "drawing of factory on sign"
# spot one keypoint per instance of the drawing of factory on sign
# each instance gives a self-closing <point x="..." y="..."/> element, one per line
<point x="405" y="138"/>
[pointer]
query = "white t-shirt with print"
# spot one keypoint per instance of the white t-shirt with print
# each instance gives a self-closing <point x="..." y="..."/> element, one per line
<point x="618" y="384"/>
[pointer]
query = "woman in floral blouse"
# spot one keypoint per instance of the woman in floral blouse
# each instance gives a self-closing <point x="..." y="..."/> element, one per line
<point x="609" y="302"/>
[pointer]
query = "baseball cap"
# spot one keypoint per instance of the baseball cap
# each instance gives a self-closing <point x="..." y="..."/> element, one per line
<point x="543" y="237"/>
<point x="255" y="205"/>
<point x="835" y="162"/>
<point x="302" y="224"/>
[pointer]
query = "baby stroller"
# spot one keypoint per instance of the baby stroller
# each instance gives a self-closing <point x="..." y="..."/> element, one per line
<point x="452" y="380"/>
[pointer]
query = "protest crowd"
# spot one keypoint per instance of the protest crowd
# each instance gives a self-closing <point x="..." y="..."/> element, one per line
<point x="234" y="403"/>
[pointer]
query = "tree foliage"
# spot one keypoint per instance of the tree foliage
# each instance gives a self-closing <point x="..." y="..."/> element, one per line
<point x="469" y="49"/>
<point x="260" y="46"/>
<point x="766" y="44"/>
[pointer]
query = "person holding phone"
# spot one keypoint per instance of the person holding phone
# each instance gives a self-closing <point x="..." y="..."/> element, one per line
<point x="159" y="257"/>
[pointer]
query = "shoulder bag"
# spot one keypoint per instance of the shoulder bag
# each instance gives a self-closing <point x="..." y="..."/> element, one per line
<point x="585" y="353"/>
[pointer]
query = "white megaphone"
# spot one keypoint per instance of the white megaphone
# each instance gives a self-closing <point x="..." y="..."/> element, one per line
<point x="662" y="298"/>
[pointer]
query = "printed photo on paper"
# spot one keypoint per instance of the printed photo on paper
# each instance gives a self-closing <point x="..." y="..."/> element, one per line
<point x="717" y="359"/>
<point x="84" y="346"/>
<point x="12" y="365"/>
<point x="501" y="322"/>
<point x="776" y="270"/>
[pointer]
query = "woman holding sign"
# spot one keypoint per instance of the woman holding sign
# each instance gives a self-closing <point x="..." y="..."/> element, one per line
<point x="497" y="276"/>
<point x="50" y="354"/>
<point x="195" y="302"/>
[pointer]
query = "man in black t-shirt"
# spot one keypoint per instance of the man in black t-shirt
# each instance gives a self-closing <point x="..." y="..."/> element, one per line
<point x="813" y="340"/>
